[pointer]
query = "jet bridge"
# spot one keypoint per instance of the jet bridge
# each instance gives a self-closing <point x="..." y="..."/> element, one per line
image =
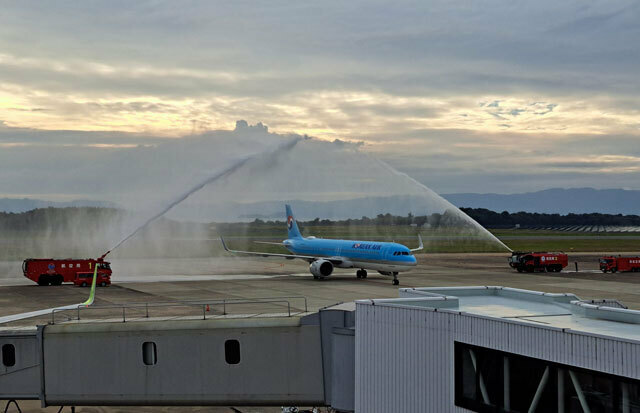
<point x="256" y="359"/>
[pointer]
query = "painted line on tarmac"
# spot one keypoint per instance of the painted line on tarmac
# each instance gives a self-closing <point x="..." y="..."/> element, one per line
<point x="123" y="279"/>
<point x="583" y="271"/>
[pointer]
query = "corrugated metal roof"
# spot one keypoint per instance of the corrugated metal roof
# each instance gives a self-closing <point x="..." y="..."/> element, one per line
<point x="565" y="311"/>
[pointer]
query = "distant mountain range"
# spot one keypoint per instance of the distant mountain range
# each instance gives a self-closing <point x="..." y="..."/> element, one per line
<point x="550" y="201"/>
<point x="16" y="205"/>
<point x="555" y="201"/>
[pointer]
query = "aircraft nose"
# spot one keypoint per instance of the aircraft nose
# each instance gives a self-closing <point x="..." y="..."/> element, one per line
<point x="413" y="261"/>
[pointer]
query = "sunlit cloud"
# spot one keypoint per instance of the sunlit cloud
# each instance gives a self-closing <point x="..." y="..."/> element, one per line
<point x="326" y="114"/>
<point x="438" y="89"/>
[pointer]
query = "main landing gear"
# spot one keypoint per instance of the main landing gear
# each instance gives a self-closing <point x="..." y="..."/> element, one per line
<point x="362" y="273"/>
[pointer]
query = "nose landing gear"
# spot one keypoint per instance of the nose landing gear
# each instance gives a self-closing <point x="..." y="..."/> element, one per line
<point x="395" y="279"/>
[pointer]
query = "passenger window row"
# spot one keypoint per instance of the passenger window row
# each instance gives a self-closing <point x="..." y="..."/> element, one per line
<point x="150" y="352"/>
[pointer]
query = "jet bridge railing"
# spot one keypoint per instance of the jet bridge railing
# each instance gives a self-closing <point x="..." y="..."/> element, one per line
<point x="190" y="308"/>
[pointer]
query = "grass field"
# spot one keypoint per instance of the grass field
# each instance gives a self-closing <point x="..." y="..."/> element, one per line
<point x="447" y="240"/>
<point x="527" y="240"/>
<point x="14" y="247"/>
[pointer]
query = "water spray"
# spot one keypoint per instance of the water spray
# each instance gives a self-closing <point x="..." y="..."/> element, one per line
<point x="281" y="148"/>
<point x="431" y="192"/>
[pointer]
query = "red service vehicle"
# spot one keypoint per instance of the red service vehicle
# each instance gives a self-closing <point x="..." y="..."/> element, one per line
<point x="538" y="261"/>
<point x="84" y="279"/>
<point x="622" y="264"/>
<point x="52" y="271"/>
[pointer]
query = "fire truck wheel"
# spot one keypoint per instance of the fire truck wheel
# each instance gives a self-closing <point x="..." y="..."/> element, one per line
<point x="84" y="284"/>
<point x="57" y="280"/>
<point x="604" y="271"/>
<point x="43" y="280"/>
<point x="614" y="270"/>
<point x="103" y="284"/>
<point x="519" y="269"/>
<point x="529" y="268"/>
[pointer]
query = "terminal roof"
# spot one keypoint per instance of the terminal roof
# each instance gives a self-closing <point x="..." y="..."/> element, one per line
<point x="565" y="311"/>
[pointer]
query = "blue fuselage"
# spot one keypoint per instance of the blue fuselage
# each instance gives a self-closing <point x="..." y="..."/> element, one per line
<point x="381" y="256"/>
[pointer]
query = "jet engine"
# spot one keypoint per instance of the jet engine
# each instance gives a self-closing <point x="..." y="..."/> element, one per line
<point x="321" y="268"/>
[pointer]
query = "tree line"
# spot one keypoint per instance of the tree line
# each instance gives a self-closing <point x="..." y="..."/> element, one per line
<point x="504" y="219"/>
<point x="89" y="219"/>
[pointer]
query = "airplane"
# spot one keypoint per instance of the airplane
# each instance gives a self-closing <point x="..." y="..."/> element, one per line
<point x="323" y="255"/>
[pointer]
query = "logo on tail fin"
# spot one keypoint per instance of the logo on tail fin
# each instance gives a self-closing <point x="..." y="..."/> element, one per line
<point x="292" y="227"/>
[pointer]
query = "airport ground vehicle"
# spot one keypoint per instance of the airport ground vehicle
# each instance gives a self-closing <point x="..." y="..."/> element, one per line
<point x="622" y="264"/>
<point x="538" y="261"/>
<point x="51" y="271"/>
<point x="84" y="279"/>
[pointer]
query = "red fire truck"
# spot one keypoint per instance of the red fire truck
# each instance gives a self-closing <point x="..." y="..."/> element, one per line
<point x="52" y="271"/>
<point x="84" y="279"/>
<point x="538" y="261"/>
<point x="622" y="264"/>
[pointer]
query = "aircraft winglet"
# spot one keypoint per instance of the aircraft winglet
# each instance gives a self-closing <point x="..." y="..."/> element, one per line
<point x="224" y="244"/>
<point x="421" y="246"/>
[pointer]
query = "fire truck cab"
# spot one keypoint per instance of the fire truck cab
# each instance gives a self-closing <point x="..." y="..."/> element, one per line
<point x="622" y="264"/>
<point x="84" y="279"/>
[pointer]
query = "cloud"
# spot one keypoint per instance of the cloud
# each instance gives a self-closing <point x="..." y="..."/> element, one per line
<point x="493" y="86"/>
<point x="117" y="165"/>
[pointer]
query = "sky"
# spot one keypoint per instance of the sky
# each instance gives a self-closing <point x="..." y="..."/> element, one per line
<point x="485" y="96"/>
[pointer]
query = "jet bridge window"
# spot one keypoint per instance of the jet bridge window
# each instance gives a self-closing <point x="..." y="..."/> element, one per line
<point x="149" y="353"/>
<point x="232" y="351"/>
<point x="9" y="355"/>
<point x="488" y="380"/>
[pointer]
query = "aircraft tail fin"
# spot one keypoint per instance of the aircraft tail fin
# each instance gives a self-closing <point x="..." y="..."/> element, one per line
<point x="292" y="225"/>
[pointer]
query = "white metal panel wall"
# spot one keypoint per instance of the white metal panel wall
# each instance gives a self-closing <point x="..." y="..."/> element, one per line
<point x="404" y="360"/>
<point x="404" y="356"/>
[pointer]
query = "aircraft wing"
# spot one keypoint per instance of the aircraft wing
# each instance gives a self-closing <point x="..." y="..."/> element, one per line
<point x="421" y="246"/>
<point x="268" y="254"/>
<point x="270" y="243"/>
